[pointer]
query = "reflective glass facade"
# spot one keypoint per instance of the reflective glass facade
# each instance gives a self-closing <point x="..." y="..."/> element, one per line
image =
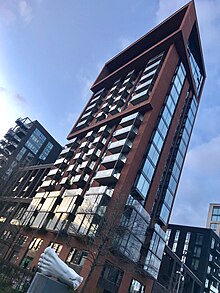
<point x="143" y="182"/>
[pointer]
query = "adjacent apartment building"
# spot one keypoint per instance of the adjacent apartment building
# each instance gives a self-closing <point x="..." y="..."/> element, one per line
<point x="199" y="250"/>
<point x="27" y="152"/>
<point x="213" y="219"/>
<point x="105" y="206"/>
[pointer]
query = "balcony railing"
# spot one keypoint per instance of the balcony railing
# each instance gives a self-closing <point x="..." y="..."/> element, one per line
<point x="123" y="145"/>
<point x="116" y="160"/>
<point x="138" y="98"/>
<point x="134" y="119"/>
<point x="129" y="131"/>
<point x="107" y="176"/>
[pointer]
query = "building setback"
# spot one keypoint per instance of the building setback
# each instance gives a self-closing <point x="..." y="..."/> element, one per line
<point x="199" y="250"/>
<point x="106" y="205"/>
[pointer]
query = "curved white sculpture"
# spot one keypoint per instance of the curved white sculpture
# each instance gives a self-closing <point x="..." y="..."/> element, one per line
<point x="51" y="265"/>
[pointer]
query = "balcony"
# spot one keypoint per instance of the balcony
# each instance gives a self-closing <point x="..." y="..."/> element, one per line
<point x="9" y="135"/>
<point x="134" y="119"/>
<point x="120" y="101"/>
<point x="110" y="98"/>
<point x="87" y="167"/>
<point x="152" y="65"/>
<point x="23" y="123"/>
<point x="115" y="109"/>
<point x="105" y="130"/>
<point x="96" y="190"/>
<point x="123" y="145"/>
<point x="114" y="161"/>
<point x="80" y="180"/>
<point x="3" y="159"/>
<point x="3" y="142"/>
<point x="74" y="143"/>
<point x="106" y="177"/>
<point x="82" y="124"/>
<point x="90" y="135"/>
<point x="99" y="141"/>
<point x="134" y="204"/>
<point x="84" y="146"/>
<point x="78" y="158"/>
<point x="67" y="153"/>
<point x="93" y="154"/>
<point x="54" y="173"/>
<point x="129" y="132"/>
<point x="100" y="116"/>
<point x="149" y="75"/>
<point x="62" y="163"/>
<point x="65" y="182"/>
<point x="71" y="169"/>
<point x="73" y="192"/>
<point x="139" y="98"/>
<point x="143" y="86"/>
<point x="11" y="146"/>
<point x="48" y="185"/>
<point x="93" y="108"/>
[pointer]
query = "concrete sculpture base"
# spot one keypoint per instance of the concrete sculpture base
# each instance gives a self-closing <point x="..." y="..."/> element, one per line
<point x="44" y="284"/>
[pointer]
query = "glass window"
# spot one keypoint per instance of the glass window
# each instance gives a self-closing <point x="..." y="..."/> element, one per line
<point x="46" y="151"/>
<point x="162" y="127"/>
<point x="21" y="240"/>
<point x="168" y="233"/>
<point x="148" y="169"/>
<point x="21" y="154"/>
<point x="195" y="264"/>
<point x="158" y="141"/>
<point x="176" y="171"/>
<point x="35" y="141"/>
<point x="213" y="226"/>
<point x="112" y="274"/>
<point x="182" y="147"/>
<point x="176" y="239"/>
<point x="57" y="247"/>
<point x="164" y="214"/>
<point x="153" y="154"/>
<point x="136" y="287"/>
<point x="172" y="184"/>
<point x="168" y="198"/>
<point x="199" y="239"/>
<point x="35" y="244"/>
<point x="197" y="251"/>
<point x="174" y="94"/>
<point x="166" y="116"/>
<point x="170" y="104"/>
<point x="177" y="84"/>
<point x="76" y="256"/>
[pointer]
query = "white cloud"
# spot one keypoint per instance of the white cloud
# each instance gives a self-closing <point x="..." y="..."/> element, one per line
<point x="7" y="15"/>
<point x="124" y="43"/>
<point x="199" y="184"/>
<point x="25" y="11"/>
<point x="86" y="82"/>
<point x="12" y="106"/>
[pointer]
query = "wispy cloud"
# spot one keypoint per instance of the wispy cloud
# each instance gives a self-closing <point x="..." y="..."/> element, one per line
<point x="85" y="81"/>
<point x="25" y="11"/>
<point x="12" y="11"/>
<point x="7" y="15"/>
<point x="10" y="113"/>
<point x="124" y="43"/>
<point x="199" y="184"/>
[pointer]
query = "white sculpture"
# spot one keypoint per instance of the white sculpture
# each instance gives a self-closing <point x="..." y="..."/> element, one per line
<point x="51" y="265"/>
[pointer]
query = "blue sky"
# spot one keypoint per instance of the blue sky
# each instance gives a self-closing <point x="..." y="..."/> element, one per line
<point x="52" y="51"/>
